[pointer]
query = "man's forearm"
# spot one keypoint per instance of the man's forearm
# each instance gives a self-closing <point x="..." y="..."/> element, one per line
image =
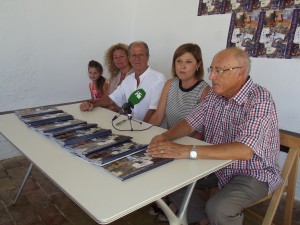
<point x="182" y="129"/>
<point x="149" y="115"/>
<point x="103" y="102"/>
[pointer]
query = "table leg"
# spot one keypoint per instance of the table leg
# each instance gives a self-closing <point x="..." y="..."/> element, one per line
<point x="180" y="218"/>
<point x="23" y="183"/>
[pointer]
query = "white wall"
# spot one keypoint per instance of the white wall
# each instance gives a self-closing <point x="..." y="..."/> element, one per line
<point x="45" y="47"/>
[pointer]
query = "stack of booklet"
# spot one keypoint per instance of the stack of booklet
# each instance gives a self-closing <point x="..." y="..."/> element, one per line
<point x="117" y="154"/>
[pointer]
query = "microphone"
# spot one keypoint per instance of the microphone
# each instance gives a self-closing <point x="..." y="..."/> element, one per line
<point x="135" y="98"/>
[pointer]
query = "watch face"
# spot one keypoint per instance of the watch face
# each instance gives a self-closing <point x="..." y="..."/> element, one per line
<point x="193" y="154"/>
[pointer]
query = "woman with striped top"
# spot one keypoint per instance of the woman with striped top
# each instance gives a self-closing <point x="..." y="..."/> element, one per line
<point x="182" y="93"/>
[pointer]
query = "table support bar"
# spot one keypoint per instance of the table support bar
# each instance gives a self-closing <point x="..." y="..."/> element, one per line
<point x="179" y="219"/>
<point x="23" y="183"/>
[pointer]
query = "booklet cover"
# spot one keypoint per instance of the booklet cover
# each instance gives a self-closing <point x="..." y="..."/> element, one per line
<point x="133" y="165"/>
<point x="38" y="111"/>
<point x="55" y="126"/>
<point x="65" y="130"/>
<point x="47" y="118"/>
<point x="81" y="135"/>
<point x="113" y="153"/>
<point x="96" y="144"/>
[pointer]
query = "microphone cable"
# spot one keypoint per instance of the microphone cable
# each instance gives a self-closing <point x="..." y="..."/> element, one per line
<point x="125" y="120"/>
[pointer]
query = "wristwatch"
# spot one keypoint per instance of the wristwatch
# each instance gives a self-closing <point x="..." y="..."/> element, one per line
<point x="193" y="153"/>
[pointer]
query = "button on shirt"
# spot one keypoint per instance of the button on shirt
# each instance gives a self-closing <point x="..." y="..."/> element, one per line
<point x="249" y="118"/>
<point x="151" y="81"/>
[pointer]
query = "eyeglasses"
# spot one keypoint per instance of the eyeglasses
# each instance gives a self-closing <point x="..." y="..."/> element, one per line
<point x="219" y="71"/>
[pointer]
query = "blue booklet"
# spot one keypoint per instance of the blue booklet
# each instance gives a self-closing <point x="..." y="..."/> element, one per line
<point x="113" y="153"/>
<point x="97" y="144"/>
<point x="59" y="125"/>
<point x="81" y="135"/>
<point x="47" y="118"/>
<point x="65" y="130"/>
<point x="38" y="111"/>
<point x="134" y="164"/>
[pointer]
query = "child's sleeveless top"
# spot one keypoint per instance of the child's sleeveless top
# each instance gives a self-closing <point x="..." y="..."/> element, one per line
<point x="96" y="94"/>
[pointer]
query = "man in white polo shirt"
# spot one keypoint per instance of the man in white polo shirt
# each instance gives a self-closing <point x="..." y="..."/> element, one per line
<point x="151" y="81"/>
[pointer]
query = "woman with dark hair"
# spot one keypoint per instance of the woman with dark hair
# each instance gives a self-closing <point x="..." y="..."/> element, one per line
<point x="182" y="93"/>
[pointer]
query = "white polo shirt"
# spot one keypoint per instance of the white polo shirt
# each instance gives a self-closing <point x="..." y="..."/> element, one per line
<point x="151" y="81"/>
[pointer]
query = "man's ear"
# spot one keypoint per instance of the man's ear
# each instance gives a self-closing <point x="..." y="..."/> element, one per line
<point x="241" y="72"/>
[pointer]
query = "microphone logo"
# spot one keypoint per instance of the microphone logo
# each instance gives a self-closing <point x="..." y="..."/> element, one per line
<point x="136" y="97"/>
<point x="139" y="95"/>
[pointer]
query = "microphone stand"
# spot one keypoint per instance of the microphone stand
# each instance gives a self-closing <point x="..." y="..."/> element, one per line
<point x="129" y="116"/>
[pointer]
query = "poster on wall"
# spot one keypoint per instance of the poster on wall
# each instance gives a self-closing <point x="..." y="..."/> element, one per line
<point x="212" y="7"/>
<point x="263" y="28"/>
<point x="244" y="31"/>
<point x="275" y="32"/>
<point x="293" y="50"/>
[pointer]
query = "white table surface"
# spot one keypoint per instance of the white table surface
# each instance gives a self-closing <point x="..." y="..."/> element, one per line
<point x="102" y="196"/>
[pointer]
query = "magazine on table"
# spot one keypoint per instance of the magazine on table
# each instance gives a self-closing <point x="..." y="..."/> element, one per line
<point x="96" y="144"/>
<point x="134" y="164"/>
<point x="55" y="126"/>
<point x="112" y="153"/>
<point x="81" y="135"/>
<point x="48" y="118"/>
<point x="65" y="130"/>
<point x="38" y="111"/>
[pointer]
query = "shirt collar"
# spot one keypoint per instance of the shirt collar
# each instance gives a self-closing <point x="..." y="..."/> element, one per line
<point x="242" y="95"/>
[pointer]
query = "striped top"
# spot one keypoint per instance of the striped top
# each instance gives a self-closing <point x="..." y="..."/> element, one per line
<point x="180" y="101"/>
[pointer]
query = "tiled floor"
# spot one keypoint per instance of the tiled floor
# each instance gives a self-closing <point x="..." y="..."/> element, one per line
<point x="42" y="203"/>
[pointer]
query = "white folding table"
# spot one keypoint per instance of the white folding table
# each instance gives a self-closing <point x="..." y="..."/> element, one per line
<point x="98" y="193"/>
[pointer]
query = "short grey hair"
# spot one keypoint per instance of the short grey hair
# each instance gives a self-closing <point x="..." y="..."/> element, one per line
<point x="141" y="43"/>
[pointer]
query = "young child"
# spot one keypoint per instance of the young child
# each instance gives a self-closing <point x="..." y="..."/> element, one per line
<point x="99" y="86"/>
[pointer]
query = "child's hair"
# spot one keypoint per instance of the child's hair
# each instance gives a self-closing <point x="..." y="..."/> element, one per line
<point x="101" y="80"/>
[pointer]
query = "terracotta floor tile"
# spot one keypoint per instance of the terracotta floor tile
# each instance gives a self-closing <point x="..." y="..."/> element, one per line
<point x="3" y="174"/>
<point x="6" y="184"/>
<point x="4" y="215"/>
<point x="24" y="215"/>
<point x="16" y="173"/>
<point x="50" y="215"/>
<point x="31" y="184"/>
<point x="10" y="163"/>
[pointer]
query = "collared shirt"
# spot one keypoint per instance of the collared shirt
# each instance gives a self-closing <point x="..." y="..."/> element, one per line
<point x="249" y="118"/>
<point x="151" y="81"/>
<point x="115" y="81"/>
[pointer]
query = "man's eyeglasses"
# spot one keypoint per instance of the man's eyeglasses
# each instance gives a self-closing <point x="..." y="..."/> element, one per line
<point x="219" y="71"/>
